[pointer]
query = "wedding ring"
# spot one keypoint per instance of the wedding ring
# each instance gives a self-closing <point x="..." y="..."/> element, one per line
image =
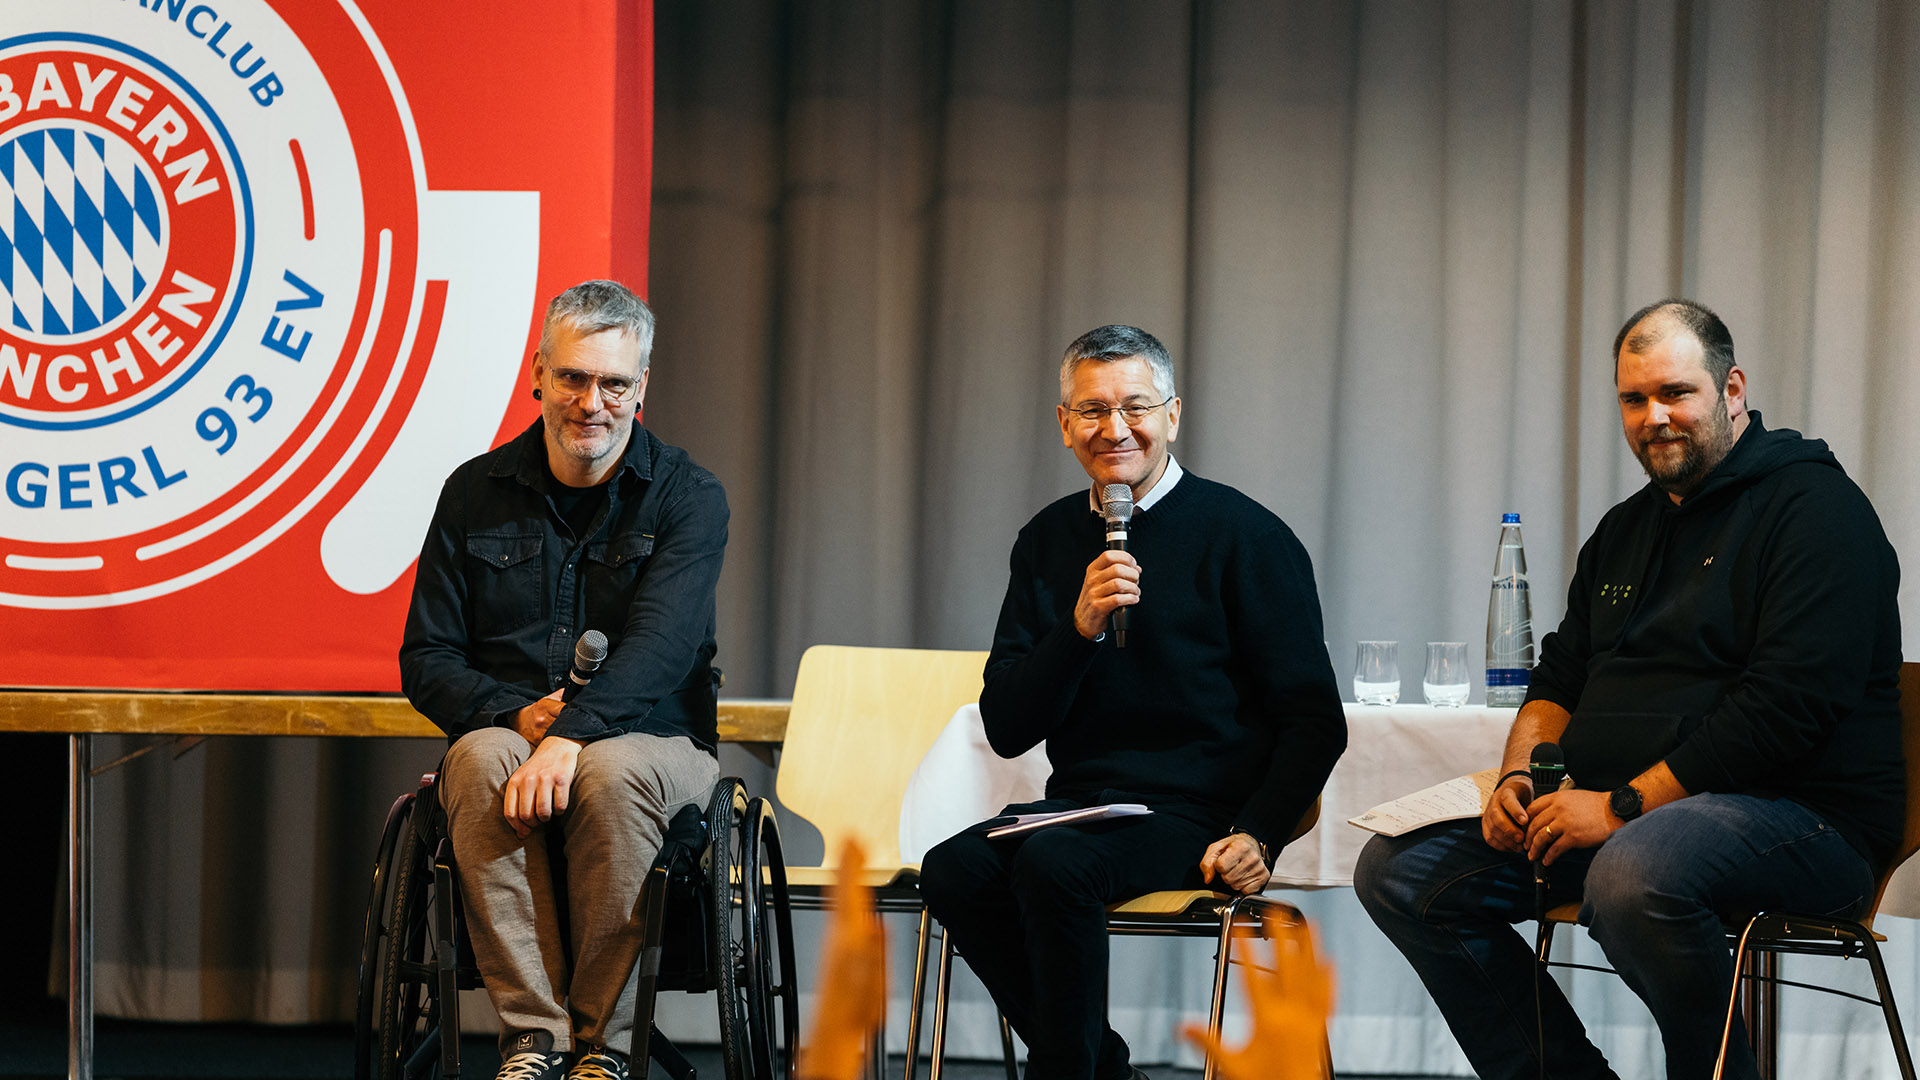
<point x="1547" y="829"/>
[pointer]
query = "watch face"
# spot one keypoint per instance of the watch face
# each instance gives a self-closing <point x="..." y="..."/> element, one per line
<point x="1625" y="802"/>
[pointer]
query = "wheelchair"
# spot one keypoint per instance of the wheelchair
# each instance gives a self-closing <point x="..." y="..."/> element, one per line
<point x="714" y="907"/>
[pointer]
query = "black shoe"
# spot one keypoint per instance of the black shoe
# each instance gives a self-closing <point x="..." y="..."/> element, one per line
<point x="599" y="1063"/>
<point x="530" y="1056"/>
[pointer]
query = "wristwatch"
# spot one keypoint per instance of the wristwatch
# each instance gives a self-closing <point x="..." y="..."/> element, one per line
<point x="1625" y="802"/>
<point x="1266" y="856"/>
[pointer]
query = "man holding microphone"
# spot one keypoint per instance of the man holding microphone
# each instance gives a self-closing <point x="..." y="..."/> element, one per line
<point x="1219" y="712"/>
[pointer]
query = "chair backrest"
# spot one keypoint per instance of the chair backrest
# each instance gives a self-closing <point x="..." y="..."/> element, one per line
<point x="861" y="720"/>
<point x="1910" y="747"/>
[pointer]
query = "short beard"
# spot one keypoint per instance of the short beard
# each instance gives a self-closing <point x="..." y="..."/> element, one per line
<point x="1697" y="460"/>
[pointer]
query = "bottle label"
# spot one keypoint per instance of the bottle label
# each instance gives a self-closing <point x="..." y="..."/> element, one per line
<point x="1507" y="676"/>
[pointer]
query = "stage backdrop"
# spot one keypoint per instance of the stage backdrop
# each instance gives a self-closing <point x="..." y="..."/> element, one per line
<point x="270" y="270"/>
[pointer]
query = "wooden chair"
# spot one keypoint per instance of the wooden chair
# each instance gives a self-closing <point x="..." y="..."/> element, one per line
<point x="1762" y="939"/>
<point x="861" y="720"/>
<point x="1174" y="912"/>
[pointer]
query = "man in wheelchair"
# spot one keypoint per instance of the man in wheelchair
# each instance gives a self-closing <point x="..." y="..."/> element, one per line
<point x="556" y="807"/>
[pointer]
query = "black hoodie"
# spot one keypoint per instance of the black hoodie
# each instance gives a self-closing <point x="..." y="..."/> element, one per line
<point x="1748" y="636"/>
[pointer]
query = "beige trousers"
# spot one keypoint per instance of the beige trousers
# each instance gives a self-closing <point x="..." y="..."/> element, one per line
<point x="625" y="790"/>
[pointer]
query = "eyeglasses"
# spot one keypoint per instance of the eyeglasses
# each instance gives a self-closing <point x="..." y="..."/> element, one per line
<point x="614" y="389"/>
<point x="1133" y="411"/>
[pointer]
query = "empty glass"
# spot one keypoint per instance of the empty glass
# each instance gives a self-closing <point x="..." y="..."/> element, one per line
<point x="1376" y="673"/>
<point x="1447" y="681"/>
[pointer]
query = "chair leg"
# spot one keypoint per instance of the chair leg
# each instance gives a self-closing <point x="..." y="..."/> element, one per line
<point x="918" y="1003"/>
<point x="1222" y="959"/>
<point x="1763" y="1013"/>
<point x="1733" y="997"/>
<point x="1885" y="990"/>
<point x="877" y="1053"/>
<point x="1006" y="1046"/>
<point x="943" y="982"/>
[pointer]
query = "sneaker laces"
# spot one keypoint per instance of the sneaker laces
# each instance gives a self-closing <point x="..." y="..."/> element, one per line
<point x="598" y="1065"/>
<point x="528" y="1065"/>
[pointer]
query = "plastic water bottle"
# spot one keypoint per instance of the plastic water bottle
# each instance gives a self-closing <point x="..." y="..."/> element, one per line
<point x="1509" y="621"/>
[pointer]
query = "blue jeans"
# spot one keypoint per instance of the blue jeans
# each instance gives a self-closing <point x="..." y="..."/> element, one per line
<point x="1654" y="896"/>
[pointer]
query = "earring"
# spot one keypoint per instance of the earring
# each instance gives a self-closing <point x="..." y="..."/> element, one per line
<point x="536" y="393"/>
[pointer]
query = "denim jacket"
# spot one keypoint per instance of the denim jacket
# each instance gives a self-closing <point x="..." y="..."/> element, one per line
<point x="504" y="588"/>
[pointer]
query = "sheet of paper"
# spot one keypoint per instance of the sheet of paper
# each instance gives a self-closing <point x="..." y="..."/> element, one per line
<point x="1020" y="823"/>
<point x="1455" y="800"/>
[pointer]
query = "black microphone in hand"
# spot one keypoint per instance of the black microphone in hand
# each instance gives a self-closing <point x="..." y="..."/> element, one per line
<point x="1116" y="506"/>
<point x="1546" y="769"/>
<point x="588" y="652"/>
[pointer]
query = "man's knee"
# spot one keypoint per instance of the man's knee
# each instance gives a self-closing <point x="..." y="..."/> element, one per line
<point x="646" y="769"/>
<point x="1056" y="866"/>
<point x="956" y="874"/>
<point x="1635" y="885"/>
<point x="479" y="762"/>
<point x="1389" y="878"/>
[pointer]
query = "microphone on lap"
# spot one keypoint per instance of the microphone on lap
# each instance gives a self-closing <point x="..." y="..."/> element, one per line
<point x="1116" y="506"/>
<point x="588" y="652"/>
<point x="1546" y="769"/>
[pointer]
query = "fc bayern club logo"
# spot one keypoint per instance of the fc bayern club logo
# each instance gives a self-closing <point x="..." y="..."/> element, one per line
<point x="208" y="245"/>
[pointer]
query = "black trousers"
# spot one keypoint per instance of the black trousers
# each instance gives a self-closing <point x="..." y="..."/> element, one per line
<point x="1029" y="915"/>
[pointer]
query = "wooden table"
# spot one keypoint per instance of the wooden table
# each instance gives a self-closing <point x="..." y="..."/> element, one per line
<point x="760" y="724"/>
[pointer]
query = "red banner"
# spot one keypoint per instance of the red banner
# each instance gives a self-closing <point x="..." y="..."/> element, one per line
<point x="268" y="272"/>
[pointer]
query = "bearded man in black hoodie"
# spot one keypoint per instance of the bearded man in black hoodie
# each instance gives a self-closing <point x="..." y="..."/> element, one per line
<point x="1725" y="687"/>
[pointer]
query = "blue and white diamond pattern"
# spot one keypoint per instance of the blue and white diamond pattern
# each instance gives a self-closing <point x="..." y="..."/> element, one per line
<point x="81" y="230"/>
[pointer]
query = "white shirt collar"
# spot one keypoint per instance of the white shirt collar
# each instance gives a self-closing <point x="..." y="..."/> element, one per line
<point x="1154" y="494"/>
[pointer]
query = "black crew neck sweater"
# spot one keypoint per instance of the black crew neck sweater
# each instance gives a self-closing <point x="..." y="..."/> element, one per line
<point x="1222" y="704"/>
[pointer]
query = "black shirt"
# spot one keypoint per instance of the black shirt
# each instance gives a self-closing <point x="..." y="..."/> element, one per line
<point x="504" y="588"/>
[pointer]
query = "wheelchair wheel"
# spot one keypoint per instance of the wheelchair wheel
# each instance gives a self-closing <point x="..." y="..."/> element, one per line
<point x="752" y="942"/>
<point x="773" y="997"/>
<point x="407" y="1024"/>
<point x="375" y="936"/>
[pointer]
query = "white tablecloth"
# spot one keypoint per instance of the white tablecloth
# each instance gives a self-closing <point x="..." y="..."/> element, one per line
<point x="1391" y="750"/>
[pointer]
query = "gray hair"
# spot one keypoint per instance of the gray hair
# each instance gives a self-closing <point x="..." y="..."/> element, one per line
<point x="1118" y="342"/>
<point x="593" y="306"/>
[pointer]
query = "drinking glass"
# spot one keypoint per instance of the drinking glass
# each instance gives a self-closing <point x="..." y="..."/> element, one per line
<point x="1446" y="681"/>
<point x="1376" y="673"/>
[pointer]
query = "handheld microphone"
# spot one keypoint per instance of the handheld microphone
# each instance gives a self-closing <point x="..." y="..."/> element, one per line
<point x="1546" y="769"/>
<point x="588" y="652"/>
<point x="1116" y="506"/>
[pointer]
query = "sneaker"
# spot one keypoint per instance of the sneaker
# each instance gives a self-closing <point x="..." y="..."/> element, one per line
<point x="599" y="1063"/>
<point x="531" y="1056"/>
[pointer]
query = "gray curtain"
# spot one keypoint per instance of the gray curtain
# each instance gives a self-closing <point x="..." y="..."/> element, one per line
<point x="1388" y="243"/>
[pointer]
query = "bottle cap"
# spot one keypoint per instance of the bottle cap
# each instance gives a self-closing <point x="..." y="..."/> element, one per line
<point x="1509" y="519"/>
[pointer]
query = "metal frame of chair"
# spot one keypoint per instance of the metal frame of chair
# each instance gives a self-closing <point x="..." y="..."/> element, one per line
<point x="1759" y="941"/>
<point x="1170" y="913"/>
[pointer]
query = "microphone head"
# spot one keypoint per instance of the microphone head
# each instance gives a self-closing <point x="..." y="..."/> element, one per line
<point x="1116" y="502"/>
<point x="1547" y="766"/>
<point x="590" y="649"/>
